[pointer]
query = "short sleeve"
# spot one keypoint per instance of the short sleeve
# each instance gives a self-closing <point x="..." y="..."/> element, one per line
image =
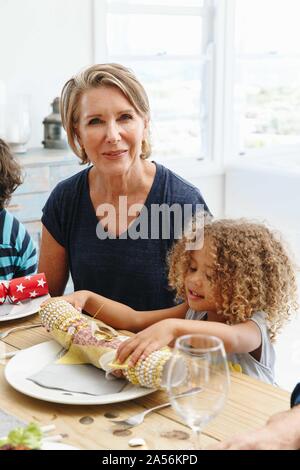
<point x="199" y="202"/>
<point x="184" y="192"/>
<point x="267" y="352"/>
<point x="295" y="397"/>
<point x="28" y="261"/>
<point x="52" y="217"/>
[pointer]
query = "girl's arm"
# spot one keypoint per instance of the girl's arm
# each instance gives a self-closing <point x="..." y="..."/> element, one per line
<point x="241" y="338"/>
<point x="121" y="316"/>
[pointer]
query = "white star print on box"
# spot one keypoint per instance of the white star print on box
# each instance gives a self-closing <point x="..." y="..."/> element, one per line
<point x="41" y="283"/>
<point x="20" y="288"/>
<point x="22" y="296"/>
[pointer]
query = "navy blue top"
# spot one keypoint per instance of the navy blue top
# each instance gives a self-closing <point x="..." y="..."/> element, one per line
<point x="295" y="397"/>
<point x="126" y="270"/>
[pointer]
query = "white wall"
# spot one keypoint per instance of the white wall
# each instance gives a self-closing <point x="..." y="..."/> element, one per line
<point x="270" y="192"/>
<point x="43" y="43"/>
<point x="266" y="192"/>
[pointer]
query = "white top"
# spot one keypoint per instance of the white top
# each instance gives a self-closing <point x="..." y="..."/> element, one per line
<point x="262" y="369"/>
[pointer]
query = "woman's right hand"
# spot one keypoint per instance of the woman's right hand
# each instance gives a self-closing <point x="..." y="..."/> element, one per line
<point x="78" y="299"/>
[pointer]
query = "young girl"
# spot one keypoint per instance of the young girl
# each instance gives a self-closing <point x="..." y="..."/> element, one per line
<point x="240" y="285"/>
<point x="17" y="251"/>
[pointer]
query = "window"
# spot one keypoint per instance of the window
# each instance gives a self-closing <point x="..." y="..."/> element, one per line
<point x="168" y="44"/>
<point x="222" y="75"/>
<point x="267" y="73"/>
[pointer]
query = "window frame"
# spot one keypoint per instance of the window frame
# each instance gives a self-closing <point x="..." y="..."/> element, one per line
<point x="218" y="86"/>
<point x="210" y="10"/>
<point x="264" y="153"/>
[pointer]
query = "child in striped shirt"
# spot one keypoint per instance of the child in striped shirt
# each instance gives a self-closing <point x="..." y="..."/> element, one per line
<point x="17" y="251"/>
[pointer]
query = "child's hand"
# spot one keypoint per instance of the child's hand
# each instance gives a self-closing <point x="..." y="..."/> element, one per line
<point x="145" y="342"/>
<point x="77" y="299"/>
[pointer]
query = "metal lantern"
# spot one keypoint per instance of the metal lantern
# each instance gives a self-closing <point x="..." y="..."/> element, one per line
<point x="54" y="134"/>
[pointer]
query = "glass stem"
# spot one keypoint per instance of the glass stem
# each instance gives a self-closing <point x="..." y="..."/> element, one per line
<point x="197" y="438"/>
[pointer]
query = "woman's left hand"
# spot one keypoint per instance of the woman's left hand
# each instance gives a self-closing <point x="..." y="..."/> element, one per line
<point x="145" y="342"/>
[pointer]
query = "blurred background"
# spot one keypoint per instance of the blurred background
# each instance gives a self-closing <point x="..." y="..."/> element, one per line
<point x="223" y="78"/>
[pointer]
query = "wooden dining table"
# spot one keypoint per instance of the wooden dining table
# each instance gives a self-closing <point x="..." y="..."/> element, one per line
<point x="250" y="403"/>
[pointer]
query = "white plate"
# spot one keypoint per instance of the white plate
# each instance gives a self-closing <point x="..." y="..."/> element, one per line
<point x="57" y="446"/>
<point x="27" y="307"/>
<point x="30" y="361"/>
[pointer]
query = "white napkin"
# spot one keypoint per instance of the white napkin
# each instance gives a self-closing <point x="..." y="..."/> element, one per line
<point x="82" y="378"/>
<point x="8" y="423"/>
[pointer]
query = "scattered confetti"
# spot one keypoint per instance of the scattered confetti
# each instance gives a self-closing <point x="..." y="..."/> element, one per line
<point x="86" y="420"/>
<point x="175" y="435"/>
<point x="122" y="432"/>
<point x="136" y="442"/>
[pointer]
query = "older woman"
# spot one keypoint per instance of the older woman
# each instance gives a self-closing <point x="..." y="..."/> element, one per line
<point x="102" y="224"/>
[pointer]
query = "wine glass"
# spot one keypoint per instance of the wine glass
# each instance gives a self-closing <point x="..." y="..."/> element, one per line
<point x="199" y="364"/>
<point x="18" y="123"/>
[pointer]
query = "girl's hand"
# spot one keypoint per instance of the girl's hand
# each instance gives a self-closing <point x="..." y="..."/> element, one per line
<point x="145" y="342"/>
<point x="77" y="299"/>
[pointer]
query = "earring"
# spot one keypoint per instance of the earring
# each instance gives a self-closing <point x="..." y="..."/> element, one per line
<point x="146" y="148"/>
<point x="84" y="155"/>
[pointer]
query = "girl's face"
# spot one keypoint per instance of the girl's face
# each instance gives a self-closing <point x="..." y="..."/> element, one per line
<point x="199" y="287"/>
<point x="110" y="130"/>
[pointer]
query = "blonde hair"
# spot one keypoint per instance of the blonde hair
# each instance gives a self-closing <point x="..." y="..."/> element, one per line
<point x="252" y="272"/>
<point x="108" y="75"/>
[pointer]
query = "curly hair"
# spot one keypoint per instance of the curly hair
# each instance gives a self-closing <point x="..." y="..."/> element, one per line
<point x="10" y="174"/>
<point x="252" y="271"/>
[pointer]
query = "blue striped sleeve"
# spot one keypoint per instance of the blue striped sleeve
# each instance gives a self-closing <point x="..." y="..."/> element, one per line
<point x="7" y="228"/>
<point x="18" y="256"/>
<point x="27" y="262"/>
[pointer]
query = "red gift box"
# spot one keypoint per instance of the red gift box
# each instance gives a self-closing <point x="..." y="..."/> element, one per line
<point x="21" y="288"/>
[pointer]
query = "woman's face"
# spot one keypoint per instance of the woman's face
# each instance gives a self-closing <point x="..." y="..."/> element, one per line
<point x="110" y="130"/>
<point x="199" y="287"/>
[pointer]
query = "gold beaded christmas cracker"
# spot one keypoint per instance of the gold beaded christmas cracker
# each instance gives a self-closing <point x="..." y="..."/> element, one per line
<point x="88" y="342"/>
